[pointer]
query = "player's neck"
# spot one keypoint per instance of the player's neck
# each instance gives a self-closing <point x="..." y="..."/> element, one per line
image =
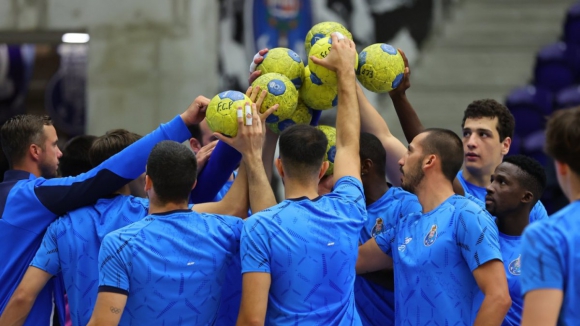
<point x="156" y="207"/>
<point x="125" y="190"/>
<point x="574" y="188"/>
<point x="375" y="190"/>
<point x="514" y="223"/>
<point x="432" y="193"/>
<point x="477" y="179"/>
<point x="300" y="188"/>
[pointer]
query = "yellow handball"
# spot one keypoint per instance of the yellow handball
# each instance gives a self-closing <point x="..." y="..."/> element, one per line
<point x="283" y="61"/>
<point x="280" y="91"/>
<point x="380" y="68"/>
<point x="316" y="94"/>
<point x="320" y="50"/>
<point x="322" y="30"/>
<point x="330" y="133"/>
<point x="221" y="114"/>
<point x="302" y="116"/>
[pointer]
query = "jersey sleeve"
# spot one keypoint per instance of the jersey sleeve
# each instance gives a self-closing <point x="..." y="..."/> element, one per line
<point x="224" y="160"/>
<point x="47" y="256"/>
<point x="60" y="195"/>
<point x="351" y="189"/>
<point x="385" y="241"/>
<point x="254" y="246"/>
<point x="477" y="237"/>
<point x="542" y="261"/>
<point x="538" y="212"/>
<point x="113" y="271"/>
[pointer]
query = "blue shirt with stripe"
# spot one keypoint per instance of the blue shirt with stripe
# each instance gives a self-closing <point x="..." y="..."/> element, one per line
<point x="29" y="204"/>
<point x="71" y="246"/>
<point x="434" y="256"/>
<point x="172" y="266"/>
<point x="551" y="259"/>
<point x="376" y="304"/>
<point x="309" y="247"/>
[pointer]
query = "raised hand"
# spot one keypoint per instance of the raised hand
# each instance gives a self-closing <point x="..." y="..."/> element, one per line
<point x="258" y="97"/>
<point x="204" y="154"/>
<point x="406" y="82"/>
<point x="341" y="57"/>
<point x="258" y="58"/>
<point x="195" y="113"/>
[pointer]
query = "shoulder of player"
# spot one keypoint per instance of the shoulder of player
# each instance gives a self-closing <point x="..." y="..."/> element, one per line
<point x="130" y="232"/>
<point x="231" y="222"/>
<point x="551" y="230"/>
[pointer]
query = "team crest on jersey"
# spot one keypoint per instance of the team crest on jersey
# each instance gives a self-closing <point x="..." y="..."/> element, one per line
<point x="431" y="236"/>
<point x="378" y="228"/>
<point x="515" y="266"/>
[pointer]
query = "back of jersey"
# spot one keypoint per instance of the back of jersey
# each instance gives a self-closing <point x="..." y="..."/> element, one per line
<point x="310" y="249"/>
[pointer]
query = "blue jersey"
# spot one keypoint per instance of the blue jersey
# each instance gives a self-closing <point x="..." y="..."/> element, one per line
<point x="71" y="246"/>
<point x="511" y="253"/>
<point x="551" y="259"/>
<point x="309" y="247"/>
<point x="28" y="205"/>
<point x="538" y="212"/>
<point x="231" y="294"/>
<point x="171" y="266"/>
<point x="374" y="303"/>
<point x="434" y="255"/>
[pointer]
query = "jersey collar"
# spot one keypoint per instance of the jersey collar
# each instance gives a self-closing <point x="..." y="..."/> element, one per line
<point x="15" y="175"/>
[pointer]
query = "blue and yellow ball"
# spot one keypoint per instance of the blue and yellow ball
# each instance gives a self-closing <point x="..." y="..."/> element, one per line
<point x="221" y="114"/>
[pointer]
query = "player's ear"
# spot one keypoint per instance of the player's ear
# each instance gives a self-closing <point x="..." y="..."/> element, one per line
<point x="528" y="197"/>
<point x="194" y="144"/>
<point x="279" y="167"/>
<point x="194" y="184"/>
<point x="505" y="145"/>
<point x="148" y="183"/>
<point x="561" y="168"/>
<point x="429" y="161"/>
<point x="366" y="166"/>
<point x="323" y="169"/>
<point x="34" y="151"/>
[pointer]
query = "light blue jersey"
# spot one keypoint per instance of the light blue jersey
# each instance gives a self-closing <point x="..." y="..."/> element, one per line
<point x="71" y="246"/>
<point x="375" y="304"/>
<point x="538" y="212"/>
<point x="551" y="259"/>
<point x="171" y="266"/>
<point x="309" y="247"/>
<point x="511" y="254"/>
<point x="434" y="256"/>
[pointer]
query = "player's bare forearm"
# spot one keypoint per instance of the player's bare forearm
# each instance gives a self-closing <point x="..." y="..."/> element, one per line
<point x="348" y="113"/>
<point x="372" y="122"/>
<point x="269" y="152"/>
<point x="260" y="191"/>
<point x="408" y="117"/>
<point x="492" y="311"/>
<point x="235" y="202"/>
<point x="17" y="310"/>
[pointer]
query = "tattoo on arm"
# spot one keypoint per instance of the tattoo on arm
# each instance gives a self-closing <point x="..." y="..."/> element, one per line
<point x="115" y="310"/>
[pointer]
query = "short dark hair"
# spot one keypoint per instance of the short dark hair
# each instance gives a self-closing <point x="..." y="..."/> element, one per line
<point x="446" y="145"/>
<point x="110" y="144"/>
<point x="19" y="132"/>
<point x="489" y="108"/>
<point x="563" y="137"/>
<point x="371" y="148"/>
<point x="195" y="132"/>
<point x="172" y="168"/>
<point x="533" y="176"/>
<point x="75" y="156"/>
<point x="302" y="149"/>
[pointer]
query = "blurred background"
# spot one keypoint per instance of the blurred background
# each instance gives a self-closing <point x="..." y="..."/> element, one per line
<point x="98" y="65"/>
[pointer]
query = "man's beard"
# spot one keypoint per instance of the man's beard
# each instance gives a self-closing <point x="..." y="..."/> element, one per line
<point x="47" y="171"/>
<point x="412" y="179"/>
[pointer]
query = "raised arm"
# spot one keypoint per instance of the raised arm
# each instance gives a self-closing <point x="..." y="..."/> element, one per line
<point x="408" y="118"/>
<point x="372" y="122"/>
<point x="60" y="195"/>
<point x="341" y="60"/>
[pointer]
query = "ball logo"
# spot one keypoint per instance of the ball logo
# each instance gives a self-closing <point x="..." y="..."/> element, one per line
<point x="332" y="153"/>
<point x="389" y="49"/>
<point x="431" y="236"/>
<point x="294" y="56"/>
<point x="232" y="95"/>
<point x="316" y="37"/>
<point x="515" y="266"/>
<point x="378" y="228"/>
<point x="276" y="87"/>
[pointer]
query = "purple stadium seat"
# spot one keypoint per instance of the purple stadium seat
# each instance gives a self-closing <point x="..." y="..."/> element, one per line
<point x="572" y="25"/>
<point x="568" y="97"/>
<point x="532" y="98"/>
<point x="515" y="147"/>
<point x="553" y="70"/>
<point x="533" y="146"/>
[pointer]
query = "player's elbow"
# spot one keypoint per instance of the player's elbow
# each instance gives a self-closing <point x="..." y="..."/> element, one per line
<point x="245" y="320"/>
<point x="502" y="299"/>
<point x="21" y="297"/>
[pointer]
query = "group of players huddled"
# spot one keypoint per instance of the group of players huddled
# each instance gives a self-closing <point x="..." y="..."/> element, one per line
<point x="456" y="236"/>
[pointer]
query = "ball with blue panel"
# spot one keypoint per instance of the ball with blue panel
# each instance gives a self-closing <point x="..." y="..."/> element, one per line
<point x="283" y="61"/>
<point x="221" y="114"/>
<point x="280" y="91"/>
<point x="322" y="30"/>
<point x="320" y="50"/>
<point x="316" y="94"/>
<point x="330" y="133"/>
<point x="381" y="68"/>
<point x="302" y="115"/>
